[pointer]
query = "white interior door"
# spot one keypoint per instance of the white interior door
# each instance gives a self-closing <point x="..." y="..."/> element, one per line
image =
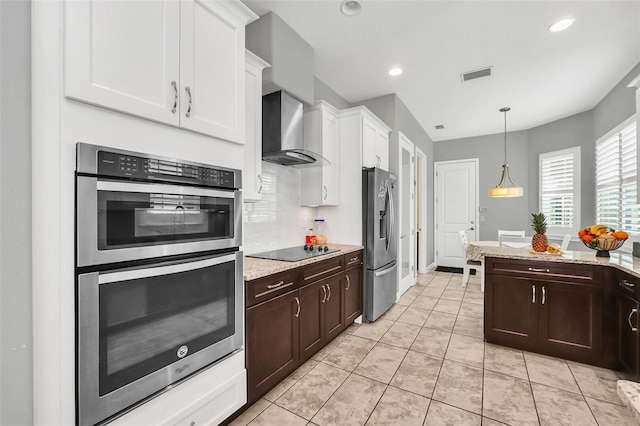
<point x="407" y="215"/>
<point x="456" y="209"/>
<point x="421" y="211"/>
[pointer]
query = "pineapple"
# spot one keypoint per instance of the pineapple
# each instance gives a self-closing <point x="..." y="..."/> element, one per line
<point x="539" y="241"/>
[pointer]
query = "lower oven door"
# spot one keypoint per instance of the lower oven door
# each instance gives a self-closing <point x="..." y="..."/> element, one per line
<point x="142" y="329"/>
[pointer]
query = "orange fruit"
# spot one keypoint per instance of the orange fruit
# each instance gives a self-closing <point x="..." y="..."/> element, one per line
<point x="620" y="235"/>
<point x="587" y="238"/>
<point x="582" y="233"/>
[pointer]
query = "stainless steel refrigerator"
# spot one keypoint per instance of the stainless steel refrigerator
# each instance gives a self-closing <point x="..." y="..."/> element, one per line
<point x="380" y="242"/>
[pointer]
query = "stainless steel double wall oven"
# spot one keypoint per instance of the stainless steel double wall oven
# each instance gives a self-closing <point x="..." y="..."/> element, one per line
<point x="159" y="291"/>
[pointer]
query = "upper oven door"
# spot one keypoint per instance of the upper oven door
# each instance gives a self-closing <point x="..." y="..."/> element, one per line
<point x="121" y="221"/>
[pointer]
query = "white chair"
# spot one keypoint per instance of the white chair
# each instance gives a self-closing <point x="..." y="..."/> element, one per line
<point x="565" y="242"/>
<point x="514" y="242"/>
<point x="470" y="264"/>
<point x="502" y="232"/>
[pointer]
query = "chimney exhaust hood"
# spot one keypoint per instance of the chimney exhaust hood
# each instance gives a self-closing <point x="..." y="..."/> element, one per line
<point x="282" y="132"/>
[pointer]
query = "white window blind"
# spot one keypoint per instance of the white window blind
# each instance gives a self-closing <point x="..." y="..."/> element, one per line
<point x="616" y="179"/>
<point x="559" y="180"/>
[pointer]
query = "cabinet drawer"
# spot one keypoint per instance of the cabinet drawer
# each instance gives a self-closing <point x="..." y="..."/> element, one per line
<point x="319" y="270"/>
<point x="353" y="259"/>
<point x="265" y="288"/>
<point x="629" y="285"/>
<point x="544" y="270"/>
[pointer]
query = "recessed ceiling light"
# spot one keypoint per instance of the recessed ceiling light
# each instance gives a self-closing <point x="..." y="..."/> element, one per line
<point x="350" y="7"/>
<point x="561" y="25"/>
<point x="395" y="71"/>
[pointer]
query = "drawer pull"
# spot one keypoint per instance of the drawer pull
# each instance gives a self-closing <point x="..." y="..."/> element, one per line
<point x="270" y="286"/>
<point x="326" y="271"/>
<point x="324" y="297"/>
<point x="298" y="311"/>
<point x="533" y="294"/>
<point x="538" y="270"/>
<point x="544" y="294"/>
<point x="353" y="259"/>
<point x="633" y="311"/>
<point x="348" y="282"/>
<point x="627" y="284"/>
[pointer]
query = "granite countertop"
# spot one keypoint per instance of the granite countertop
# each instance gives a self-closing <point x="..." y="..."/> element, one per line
<point x="622" y="261"/>
<point x="258" y="268"/>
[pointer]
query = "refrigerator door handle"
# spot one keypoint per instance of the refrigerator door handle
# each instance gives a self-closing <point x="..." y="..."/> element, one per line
<point x="392" y="215"/>
<point x="385" y="271"/>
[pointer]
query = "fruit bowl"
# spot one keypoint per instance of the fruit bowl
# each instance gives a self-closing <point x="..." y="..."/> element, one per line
<point x="605" y="248"/>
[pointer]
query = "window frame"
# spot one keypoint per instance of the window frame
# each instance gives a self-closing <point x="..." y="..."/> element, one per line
<point x="616" y="131"/>
<point x="576" y="153"/>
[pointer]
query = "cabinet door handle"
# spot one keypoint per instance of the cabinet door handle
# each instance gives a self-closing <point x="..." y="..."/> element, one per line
<point x="544" y="294"/>
<point x="324" y="297"/>
<point x="633" y="311"/>
<point x="325" y="193"/>
<point x="175" y="96"/>
<point x="188" y="113"/>
<point x="270" y="286"/>
<point x="538" y="270"/>
<point x="348" y="282"/>
<point x="329" y="296"/>
<point x="533" y="294"/>
<point x="260" y="189"/>
<point x="627" y="284"/>
<point x="298" y="311"/>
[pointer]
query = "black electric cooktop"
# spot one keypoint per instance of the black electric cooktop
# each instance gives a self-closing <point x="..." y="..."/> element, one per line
<point x="295" y="254"/>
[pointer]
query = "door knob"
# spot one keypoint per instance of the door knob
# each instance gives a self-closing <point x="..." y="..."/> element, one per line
<point x="471" y="229"/>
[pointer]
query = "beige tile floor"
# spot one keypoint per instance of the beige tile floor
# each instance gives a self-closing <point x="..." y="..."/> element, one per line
<point x="425" y="363"/>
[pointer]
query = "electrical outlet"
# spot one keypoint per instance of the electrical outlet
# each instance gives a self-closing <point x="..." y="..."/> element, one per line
<point x="484" y="209"/>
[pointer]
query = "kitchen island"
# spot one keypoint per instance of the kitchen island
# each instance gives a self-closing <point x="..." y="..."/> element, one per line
<point x="575" y="306"/>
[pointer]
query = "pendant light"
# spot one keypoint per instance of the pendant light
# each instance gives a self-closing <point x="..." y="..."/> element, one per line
<point x="503" y="189"/>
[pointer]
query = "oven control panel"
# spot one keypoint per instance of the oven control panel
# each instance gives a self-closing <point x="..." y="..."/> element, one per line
<point x="135" y="167"/>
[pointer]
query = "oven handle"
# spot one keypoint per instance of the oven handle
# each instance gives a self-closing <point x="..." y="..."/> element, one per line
<point x="155" y="188"/>
<point x="162" y="270"/>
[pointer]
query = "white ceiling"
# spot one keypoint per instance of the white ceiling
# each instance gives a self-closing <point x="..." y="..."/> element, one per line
<point x="542" y="76"/>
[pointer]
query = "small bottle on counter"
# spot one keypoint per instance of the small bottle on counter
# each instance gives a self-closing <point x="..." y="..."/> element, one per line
<point x="310" y="238"/>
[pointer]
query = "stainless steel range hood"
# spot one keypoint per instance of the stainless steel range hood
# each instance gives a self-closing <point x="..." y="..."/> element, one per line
<point x="282" y="132"/>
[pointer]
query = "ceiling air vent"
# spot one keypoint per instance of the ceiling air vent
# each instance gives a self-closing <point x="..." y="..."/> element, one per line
<point x="466" y="76"/>
<point x="439" y="126"/>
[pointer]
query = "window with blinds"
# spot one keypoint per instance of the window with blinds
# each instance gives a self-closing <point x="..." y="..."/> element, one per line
<point x="559" y="187"/>
<point x="616" y="179"/>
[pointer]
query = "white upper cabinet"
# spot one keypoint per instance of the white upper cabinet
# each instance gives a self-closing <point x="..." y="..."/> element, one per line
<point x="375" y="141"/>
<point x="252" y="173"/>
<point x="321" y="185"/>
<point x="175" y="62"/>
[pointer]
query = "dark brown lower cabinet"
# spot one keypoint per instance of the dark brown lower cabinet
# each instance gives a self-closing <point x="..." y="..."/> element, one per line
<point x="627" y="312"/>
<point x="273" y="345"/>
<point x="352" y="294"/>
<point x="556" y="309"/>
<point x="321" y="314"/>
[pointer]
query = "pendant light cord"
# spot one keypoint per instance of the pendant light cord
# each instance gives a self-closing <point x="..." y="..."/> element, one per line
<point x="505" y="109"/>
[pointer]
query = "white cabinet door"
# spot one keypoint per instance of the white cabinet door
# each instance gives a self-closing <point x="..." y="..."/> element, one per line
<point x="330" y="151"/>
<point x="369" y="143"/>
<point x="321" y="185"/>
<point x="252" y="173"/>
<point x="124" y="56"/>
<point x="382" y="148"/>
<point x="212" y="70"/>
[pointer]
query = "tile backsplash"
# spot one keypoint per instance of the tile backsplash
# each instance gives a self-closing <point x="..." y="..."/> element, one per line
<point x="278" y="220"/>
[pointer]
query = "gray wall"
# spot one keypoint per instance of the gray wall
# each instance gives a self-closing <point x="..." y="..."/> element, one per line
<point x="323" y="92"/>
<point x="502" y="213"/>
<point x="618" y="105"/>
<point x="576" y="130"/>
<point x="16" y="388"/>
<point x="395" y="114"/>
<point x="582" y="130"/>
